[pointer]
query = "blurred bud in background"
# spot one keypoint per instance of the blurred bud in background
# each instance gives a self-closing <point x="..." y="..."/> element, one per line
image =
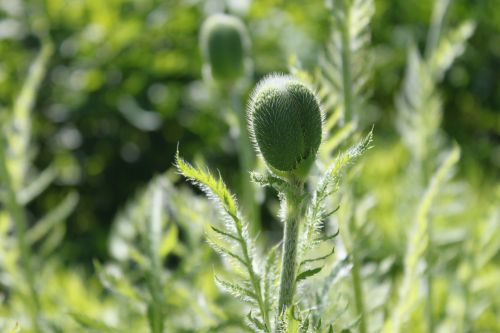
<point x="225" y="46"/>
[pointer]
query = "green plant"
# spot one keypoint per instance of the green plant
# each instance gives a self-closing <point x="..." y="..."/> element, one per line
<point x="419" y="123"/>
<point x="285" y="124"/>
<point x="406" y="240"/>
<point x="21" y="184"/>
<point x="281" y="108"/>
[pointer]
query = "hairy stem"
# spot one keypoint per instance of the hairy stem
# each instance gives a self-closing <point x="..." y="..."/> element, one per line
<point x="247" y="163"/>
<point x="17" y="214"/>
<point x="292" y="216"/>
<point x="253" y="276"/>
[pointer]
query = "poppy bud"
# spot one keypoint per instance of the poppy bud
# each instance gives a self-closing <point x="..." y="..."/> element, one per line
<point x="224" y="43"/>
<point x="285" y="123"/>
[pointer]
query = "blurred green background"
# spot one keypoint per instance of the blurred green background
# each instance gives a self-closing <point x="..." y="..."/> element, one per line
<point x="124" y="88"/>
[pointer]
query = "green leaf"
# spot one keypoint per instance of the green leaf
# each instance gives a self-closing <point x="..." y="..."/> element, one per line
<point x="304" y="275"/>
<point x="419" y="108"/>
<point x="258" y="324"/>
<point x="236" y="290"/>
<point x="214" y="188"/>
<point x="332" y="176"/>
<point x="327" y="185"/>
<point x="19" y="132"/>
<point x="345" y="67"/>
<point x="225" y="234"/>
<point x="37" y="186"/>
<point x="224" y="252"/>
<point x="451" y="46"/>
<point x="417" y="247"/>
<point x="270" y="275"/>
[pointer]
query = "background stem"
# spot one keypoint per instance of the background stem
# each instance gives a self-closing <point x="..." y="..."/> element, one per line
<point x="247" y="163"/>
<point x="358" y="292"/>
<point x="429" y="280"/>
<point x="156" y="310"/>
<point x="346" y="67"/>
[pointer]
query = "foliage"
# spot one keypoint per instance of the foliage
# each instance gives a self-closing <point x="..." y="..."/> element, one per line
<point x="98" y="233"/>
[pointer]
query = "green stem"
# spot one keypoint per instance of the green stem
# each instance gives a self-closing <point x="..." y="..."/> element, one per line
<point x="358" y="292"/>
<point x="292" y="217"/>
<point x="153" y="238"/>
<point x="346" y="65"/>
<point x="247" y="163"/>
<point x="429" y="280"/>
<point x="17" y="214"/>
<point x="254" y="279"/>
<point x="356" y="278"/>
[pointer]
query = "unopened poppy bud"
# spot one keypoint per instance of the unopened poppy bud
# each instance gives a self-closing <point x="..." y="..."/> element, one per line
<point x="224" y="43"/>
<point x="285" y="123"/>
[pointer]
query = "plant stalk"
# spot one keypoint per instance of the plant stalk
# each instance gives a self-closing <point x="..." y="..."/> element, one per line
<point x="253" y="277"/>
<point x="346" y="66"/>
<point x="429" y="280"/>
<point x="247" y="163"/>
<point x="358" y="292"/>
<point x="17" y="214"/>
<point x="292" y="218"/>
<point x="357" y="283"/>
<point x="153" y="235"/>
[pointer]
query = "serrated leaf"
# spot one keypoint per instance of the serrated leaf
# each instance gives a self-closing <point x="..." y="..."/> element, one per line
<point x="346" y="62"/>
<point x="236" y="290"/>
<point x="417" y="247"/>
<point x="225" y="252"/>
<point x="217" y="190"/>
<point x="451" y="46"/>
<point x="327" y="185"/>
<point x="214" y="188"/>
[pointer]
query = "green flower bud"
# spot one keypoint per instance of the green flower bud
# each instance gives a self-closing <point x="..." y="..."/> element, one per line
<point x="285" y="122"/>
<point x="224" y="43"/>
